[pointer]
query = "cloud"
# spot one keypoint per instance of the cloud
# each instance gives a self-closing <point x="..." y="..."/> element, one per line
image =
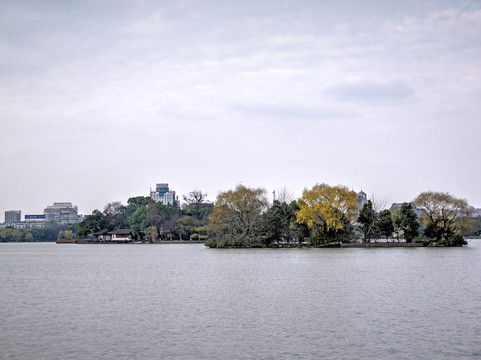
<point x="370" y="91"/>
<point x="287" y="113"/>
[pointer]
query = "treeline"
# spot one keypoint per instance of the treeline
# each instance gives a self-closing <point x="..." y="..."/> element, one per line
<point x="152" y="221"/>
<point x="324" y="214"/>
<point x="243" y="217"/>
<point x="50" y="232"/>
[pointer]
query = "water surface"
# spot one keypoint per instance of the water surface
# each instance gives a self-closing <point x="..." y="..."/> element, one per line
<point x="191" y="302"/>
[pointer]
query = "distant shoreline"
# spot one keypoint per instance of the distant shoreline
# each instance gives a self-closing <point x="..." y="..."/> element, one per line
<point x="90" y="241"/>
<point x="292" y="245"/>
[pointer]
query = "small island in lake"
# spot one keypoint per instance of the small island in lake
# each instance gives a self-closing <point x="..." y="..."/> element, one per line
<point x="243" y="217"/>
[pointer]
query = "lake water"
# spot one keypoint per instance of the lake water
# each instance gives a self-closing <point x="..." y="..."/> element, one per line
<point x="191" y="302"/>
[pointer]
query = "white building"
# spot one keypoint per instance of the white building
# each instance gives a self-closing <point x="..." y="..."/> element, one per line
<point x="163" y="195"/>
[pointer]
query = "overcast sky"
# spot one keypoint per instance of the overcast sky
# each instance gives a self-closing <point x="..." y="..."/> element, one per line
<point x="101" y="100"/>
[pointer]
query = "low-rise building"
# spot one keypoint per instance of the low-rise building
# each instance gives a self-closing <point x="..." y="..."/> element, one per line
<point x="121" y="235"/>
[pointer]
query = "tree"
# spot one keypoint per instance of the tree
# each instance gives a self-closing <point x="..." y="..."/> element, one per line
<point x="151" y="233"/>
<point x="236" y="218"/>
<point x="65" y="234"/>
<point x="328" y="212"/>
<point x="278" y="220"/>
<point x="115" y="216"/>
<point x="28" y="235"/>
<point x="137" y="221"/>
<point x="369" y="221"/>
<point x="197" y="206"/>
<point x="188" y="226"/>
<point x="441" y="213"/>
<point x="154" y="214"/>
<point x="134" y="203"/>
<point x="195" y="197"/>
<point x="385" y="223"/>
<point x="406" y="221"/>
<point x="92" y="223"/>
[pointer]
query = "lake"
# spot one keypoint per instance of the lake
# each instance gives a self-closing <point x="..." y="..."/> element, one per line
<point x="190" y="302"/>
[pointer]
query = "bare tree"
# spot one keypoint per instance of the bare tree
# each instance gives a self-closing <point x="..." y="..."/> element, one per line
<point x="195" y="197"/>
<point x="378" y="204"/>
<point x="284" y="195"/>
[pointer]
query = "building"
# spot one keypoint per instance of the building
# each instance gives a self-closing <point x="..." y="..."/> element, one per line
<point x="163" y="195"/>
<point x="33" y="221"/>
<point x="12" y="216"/>
<point x="63" y="213"/>
<point x="362" y="198"/>
<point x="476" y="212"/>
<point x="397" y="207"/>
<point x="121" y="235"/>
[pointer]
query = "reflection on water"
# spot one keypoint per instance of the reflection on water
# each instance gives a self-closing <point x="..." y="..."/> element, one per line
<point x="190" y="302"/>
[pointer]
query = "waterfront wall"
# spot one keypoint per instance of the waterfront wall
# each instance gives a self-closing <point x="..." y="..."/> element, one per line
<point x="381" y="244"/>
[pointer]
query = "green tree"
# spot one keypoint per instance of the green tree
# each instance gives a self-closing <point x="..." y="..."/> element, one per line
<point x="92" y="223"/>
<point x="155" y="214"/>
<point x="65" y="234"/>
<point x="237" y="218"/>
<point x="115" y="216"/>
<point x="188" y="226"/>
<point x="441" y="214"/>
<point x="134" y="203"/>
<point x="385" y="223"/>
<point x="138" y="222"/>
<point x="369" y="222"/>
<point x="17" y="235"/>
<point x="278" y="222"/>
<point x="197" y="206"/>
<point x="28" y="235"/>
<point x="406" y="222"/>
<point x="328" y="211"/>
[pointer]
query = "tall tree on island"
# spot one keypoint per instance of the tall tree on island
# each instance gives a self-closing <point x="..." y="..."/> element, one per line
<point x="406" y="222"/>
<point x="328" y="211"/>
<point x="441" y="214"/>
<point x="196" y="209"/>
<point x="92" y="223"/>
<point x="385" y="223"/>
<point x="237" y="218"/>
<point x="369" y="222"/>
<point x="278" y="221"/>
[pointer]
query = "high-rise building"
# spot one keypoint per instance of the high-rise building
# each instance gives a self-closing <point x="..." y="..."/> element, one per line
<point x="362" y="198"/>
<point x="163" y="195"/>
<point x="62" y="213"/>
<point x="12" y="216"/>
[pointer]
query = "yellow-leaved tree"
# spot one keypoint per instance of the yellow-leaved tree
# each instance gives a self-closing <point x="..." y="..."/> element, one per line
<point x="236" y="219"/>
<point x="328" y="211"/>
<point x="442" y="215"/>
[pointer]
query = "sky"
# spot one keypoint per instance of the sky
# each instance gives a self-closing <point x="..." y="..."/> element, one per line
<point x="101" y="100"/>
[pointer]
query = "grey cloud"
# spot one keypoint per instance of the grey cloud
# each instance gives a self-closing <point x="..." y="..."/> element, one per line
<point x="287" y="113"/>
<point x="370" y="91"/>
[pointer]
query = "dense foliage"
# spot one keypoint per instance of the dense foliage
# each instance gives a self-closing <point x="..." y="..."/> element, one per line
<point x="51" y="232"/>
<point x="237" y="218"/>
<point x="242" y="217"/>
<point x="322" y="216"/>
<point x="152" y="221"/>
<point x="441" y="215"/>
<point x="328" y="212"/>
<point x="406" y="222"/>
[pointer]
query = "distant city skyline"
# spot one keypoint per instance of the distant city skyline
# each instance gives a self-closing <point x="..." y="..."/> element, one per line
<point x="101" y="100"/>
